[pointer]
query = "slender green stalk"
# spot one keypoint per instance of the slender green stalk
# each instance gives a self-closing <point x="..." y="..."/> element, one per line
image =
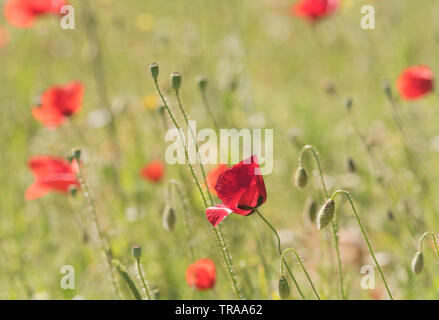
<point x="280" y="252"/>
<point x="208" y="109"/>
<point x="142" y="279"/>
<point x="125" y="275"/>
<point x="105" y="247"/>
<point x="186" y="223"/>
<point x="363" y="231"/>
<point x="282" y="262"/>
<point x="421" y="241"/>
<point x="334" y="225"/>
<point x="218" y="231"/>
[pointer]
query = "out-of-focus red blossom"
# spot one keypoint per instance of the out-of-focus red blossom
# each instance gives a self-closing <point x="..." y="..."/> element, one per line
<point x="313" y="10"/>
<point x="51" y="174"/>
<point x="212" y="177"/>
<point x="58" y="103"/>
<point x="241" y="189"/>
<point x="153" y="171"/>
<point x="415" y="82"/>
<point x="201" y="274"/>
<point x="4" y="37"/>
<point x="22" y="13"/>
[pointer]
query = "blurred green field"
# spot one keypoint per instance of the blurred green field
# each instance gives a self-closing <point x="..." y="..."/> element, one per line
<point x="265" y="70"/>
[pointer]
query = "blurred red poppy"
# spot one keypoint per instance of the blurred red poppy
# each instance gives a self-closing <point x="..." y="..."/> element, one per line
<point x="212" y="177"/>
<point x="22" y="13"/>
<point x="58" y="103"/>
<point x="201" y="274"/>
<point x="153" y="171"/>
<point x="241" y="189"/>
<point x="313" y="10"/>
<point x="51" y="174"/>
<point x="415" y="82"/>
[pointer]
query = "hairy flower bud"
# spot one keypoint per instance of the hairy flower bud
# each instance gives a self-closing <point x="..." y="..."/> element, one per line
<point x="175" y="81"/>
<point x="169" y="218"/>
<point x="326" y="214"/>
<point x="418" y="263"/>
<point x="202" y="82"/>
<point x="311" y="209"/>
<point x="284" y="288"/>
<point x="154" y="69"/>
<point x="300" y="177"/>
<point x="137" y="251"/>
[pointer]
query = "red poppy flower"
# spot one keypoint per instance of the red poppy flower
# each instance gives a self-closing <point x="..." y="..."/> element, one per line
<point x="201" y="274"/>
<point x="212" y="177"/>
<point x="58" y="103"/>
<point x="51" y="174"/>
<point x="22" y="13"/>
<point x="415" y="82"/>
<point x="241" y="189"/>
<point x="153" y="171"/>
<point x="313" y="10"/>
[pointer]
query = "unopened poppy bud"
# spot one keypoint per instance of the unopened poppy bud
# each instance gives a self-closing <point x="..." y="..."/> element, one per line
<point x="284" y="288"/>
<point x="77" y="154"/>
<point x="326" y="214"/>
<point x="137" y="251"/>
<point x="169" y="218"/>
<point x="348" y="104"/>
<point x="300" y="178"/>
<point x="418" y="263"/>
<point x="311" y="209"/>
<point x="387" y="89"/>
<point x="202" y="82"/>
<point x="350" y="163"/>
<point x="73" y="190"/>
<point x="154" y="69"/>
<point x="175" y="81"/>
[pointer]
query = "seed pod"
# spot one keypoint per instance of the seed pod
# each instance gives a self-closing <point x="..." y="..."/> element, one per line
<point x="169" y="218"/>
<point x="418" y="263"/>
<point x="311" y="209"/>
<point x="137" y="251"/>
<point x="300" y="178"/>
<point x="175" y="81"/>
<point x="154" y="69"/>
<point x="284" y="288"/>
<point x="326" y="214"/>
<point x="202" y="82"/>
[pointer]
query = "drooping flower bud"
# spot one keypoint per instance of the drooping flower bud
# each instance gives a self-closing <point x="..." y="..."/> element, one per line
<point x="284" y="288"/>
<point x="137" y="251"/>
<point x="169" y="218"/>
<point x="202" y="82"/>
<point x="154" y="69"/>
<point x="418" y="263"/>
<point x="326" y="214"/>
<point x="175" y="81"/>
<point x="311" y="209"/>
<point x="300" y="177"/>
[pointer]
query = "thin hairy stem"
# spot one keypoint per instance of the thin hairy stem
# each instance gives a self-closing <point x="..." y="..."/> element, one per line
<point x="127" y="278"/>
<point x="363" y="231"/>
<point x="218" y="231"/>
<point x="421" y="242"/>
<point x="334" y="225"/>
<point x="183" y="200"/>
<point x="105" y="247"/>
<point x="208" y="109"/>
<point x="282" y="263"/>
<point x="280" y="252"/>
<point x="142" y="279"/>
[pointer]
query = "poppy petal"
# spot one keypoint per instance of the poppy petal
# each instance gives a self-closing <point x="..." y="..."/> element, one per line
<point x="35" y="191"/>
<point x="217" y="214"/>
